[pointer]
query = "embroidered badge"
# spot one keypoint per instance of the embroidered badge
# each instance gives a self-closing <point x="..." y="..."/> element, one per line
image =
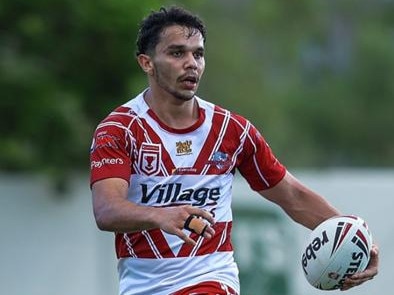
<point x="149" y="158"/>
<point x="220" y="160"/>
<point x="183" y="148"/>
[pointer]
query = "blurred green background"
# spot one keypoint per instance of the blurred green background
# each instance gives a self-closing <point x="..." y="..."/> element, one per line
<point x="315" y="76"/>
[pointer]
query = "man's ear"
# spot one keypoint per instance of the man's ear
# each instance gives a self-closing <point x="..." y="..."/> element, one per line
<point x="145" y="63"/>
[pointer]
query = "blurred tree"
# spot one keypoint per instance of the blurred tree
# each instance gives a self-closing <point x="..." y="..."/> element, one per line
<point x="63" y="65"/>
<point x="314" y="76"/>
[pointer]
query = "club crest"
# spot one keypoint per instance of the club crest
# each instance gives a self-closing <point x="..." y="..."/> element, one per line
<point x="220" y="160"/>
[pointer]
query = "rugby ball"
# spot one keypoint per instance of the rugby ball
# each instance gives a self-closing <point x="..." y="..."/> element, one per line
<point x="336" y="249"/>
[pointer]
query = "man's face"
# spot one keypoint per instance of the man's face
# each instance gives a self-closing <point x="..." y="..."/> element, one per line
<point x="178" y="61"/>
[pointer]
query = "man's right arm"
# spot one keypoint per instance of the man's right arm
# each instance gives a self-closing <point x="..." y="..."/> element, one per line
<point x="114" y="212"/>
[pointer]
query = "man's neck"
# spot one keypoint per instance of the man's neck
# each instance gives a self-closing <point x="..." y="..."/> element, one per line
<point x="171" y="111"/>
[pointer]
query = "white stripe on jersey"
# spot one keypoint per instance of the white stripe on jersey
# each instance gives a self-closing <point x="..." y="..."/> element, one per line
<point x="127" y="130"/>
<point x="257" y="166"/>
<point x="113" y="123"/>
<point x="151" y="244"/>
<point x="129" y="245"/>
<point x="197" y="246"/>
<point x="223" y="237"/>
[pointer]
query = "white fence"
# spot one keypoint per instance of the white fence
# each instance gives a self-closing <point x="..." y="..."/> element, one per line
<point x="50" y="245"/>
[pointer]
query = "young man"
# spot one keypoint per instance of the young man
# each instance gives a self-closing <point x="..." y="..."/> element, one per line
<point x="162" y="166"/>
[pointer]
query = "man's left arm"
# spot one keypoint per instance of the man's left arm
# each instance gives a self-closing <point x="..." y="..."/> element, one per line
<point x="308" y="208"/>
<point x="302" y="204"/>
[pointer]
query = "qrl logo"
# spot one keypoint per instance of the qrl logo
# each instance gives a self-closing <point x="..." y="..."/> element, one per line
<point x="310" y="251"/>
<point x="150" y="158"/>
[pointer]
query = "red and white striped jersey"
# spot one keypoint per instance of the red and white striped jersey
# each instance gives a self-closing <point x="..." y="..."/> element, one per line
<point x="171" y="167"/>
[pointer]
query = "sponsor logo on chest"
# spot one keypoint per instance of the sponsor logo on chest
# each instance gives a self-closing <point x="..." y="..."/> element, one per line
<point x="165" y="194"/>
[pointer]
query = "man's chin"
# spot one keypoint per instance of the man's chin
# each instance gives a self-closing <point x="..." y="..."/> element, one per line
<point x="185" y="95"/>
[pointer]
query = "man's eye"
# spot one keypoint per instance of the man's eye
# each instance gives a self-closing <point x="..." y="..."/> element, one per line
<point x="198" y="55"/>
<point x="176" y="53"/>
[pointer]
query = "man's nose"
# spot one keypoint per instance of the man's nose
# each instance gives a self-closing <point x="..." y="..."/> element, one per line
<point x="191" y="61"/>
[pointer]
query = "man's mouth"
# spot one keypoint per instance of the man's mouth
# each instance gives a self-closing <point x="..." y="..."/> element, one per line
<point x="189" y="81"/>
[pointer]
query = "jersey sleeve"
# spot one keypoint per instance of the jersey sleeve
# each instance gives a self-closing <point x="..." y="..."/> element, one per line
<point x="110" y="152"/>
<point x="258" y="164"/>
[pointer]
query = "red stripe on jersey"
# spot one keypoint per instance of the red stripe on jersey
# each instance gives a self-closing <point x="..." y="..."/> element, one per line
<point x="220" y="242"/>
<point x="147" y="244"/>
<point x="152" y="244"/>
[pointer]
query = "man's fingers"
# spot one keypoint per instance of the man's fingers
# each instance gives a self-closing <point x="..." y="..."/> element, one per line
<point x="209" y="232"/>
<point x="201" y="213"/>
<point x="199" y="226"/>
<point x="185" y="237"/>
<point x="372" y="268"/>
<point x="368" y="274"/>
<point x="195" y="224"/>
<point x="350" y="283"/>
<point x="208" y="216"/>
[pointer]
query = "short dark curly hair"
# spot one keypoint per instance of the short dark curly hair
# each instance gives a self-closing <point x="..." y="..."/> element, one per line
<point x="152" y="26"/>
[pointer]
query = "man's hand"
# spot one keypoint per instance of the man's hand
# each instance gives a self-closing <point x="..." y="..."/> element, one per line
<point x="368" y="274"/>
<point x="172" y="220"/>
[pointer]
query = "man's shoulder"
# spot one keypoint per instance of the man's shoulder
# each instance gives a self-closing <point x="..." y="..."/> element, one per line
<point x="219" y="110"/>
<point x="232" y="116"/>
<point x="126" y="112"/>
